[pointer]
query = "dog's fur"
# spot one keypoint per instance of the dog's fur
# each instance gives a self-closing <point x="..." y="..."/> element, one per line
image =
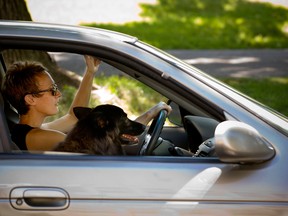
<point x="100" y="131"/>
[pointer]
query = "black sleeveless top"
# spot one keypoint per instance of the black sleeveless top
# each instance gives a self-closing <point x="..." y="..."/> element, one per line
<point x="18" y="135"/>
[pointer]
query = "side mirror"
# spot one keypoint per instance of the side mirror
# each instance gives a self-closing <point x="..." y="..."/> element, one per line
<point x="237" y="142"/>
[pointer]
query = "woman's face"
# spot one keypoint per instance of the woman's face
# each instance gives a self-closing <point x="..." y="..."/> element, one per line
<point x="47" y="103"/>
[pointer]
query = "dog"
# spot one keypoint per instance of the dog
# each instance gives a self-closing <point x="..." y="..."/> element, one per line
<point x="101" y="131"/>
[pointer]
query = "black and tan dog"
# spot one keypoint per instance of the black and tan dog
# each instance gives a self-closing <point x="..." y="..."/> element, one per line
<point x="101" y="131"/>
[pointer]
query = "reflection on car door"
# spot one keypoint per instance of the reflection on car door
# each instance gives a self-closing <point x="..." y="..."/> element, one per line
<point x="93" y="185"/>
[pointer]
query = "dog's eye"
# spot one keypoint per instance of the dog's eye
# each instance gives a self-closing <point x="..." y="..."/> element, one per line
<point x="102" y="123"/>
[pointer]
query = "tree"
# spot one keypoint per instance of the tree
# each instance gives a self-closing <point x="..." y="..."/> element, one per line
<point x="17" y="10"/>
<point x="14" y="10"/>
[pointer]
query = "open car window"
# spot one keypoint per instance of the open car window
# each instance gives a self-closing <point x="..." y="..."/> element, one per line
<point x="184" y="133"/>
<point x="111" y="86"/>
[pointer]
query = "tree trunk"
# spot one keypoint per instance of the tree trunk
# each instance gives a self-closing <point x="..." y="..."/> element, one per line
<point x="17" y="10"/>
<point x="14" y="10"/>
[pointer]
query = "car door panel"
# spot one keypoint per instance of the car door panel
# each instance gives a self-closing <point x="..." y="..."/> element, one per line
<point x="109" y="186"/>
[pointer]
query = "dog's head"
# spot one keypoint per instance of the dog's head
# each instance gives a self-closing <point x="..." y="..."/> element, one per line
<point x="111" y="119"/>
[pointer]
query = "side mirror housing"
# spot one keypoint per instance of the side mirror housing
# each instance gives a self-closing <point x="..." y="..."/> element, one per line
<point x="237" y="142"/>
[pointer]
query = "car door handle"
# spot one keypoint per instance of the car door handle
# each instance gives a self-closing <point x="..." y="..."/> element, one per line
<point x="38" y="198"/>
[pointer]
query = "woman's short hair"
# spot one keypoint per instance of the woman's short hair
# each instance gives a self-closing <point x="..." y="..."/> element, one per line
<point x="20" y="79"/>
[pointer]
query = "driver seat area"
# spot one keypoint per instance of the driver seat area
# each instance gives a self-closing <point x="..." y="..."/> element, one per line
<point x="8" y="117"/>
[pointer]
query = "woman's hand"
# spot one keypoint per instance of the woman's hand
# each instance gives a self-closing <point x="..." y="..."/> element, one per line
<point x="92" y="64"/>
<point x="146" y="117"/>
<point x="158" y="107"/>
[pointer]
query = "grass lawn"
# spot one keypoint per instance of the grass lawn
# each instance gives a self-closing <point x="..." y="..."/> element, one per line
<point x="217" y="24"/>
<point x="209" y="24"/>
<point x="269" y="91"/>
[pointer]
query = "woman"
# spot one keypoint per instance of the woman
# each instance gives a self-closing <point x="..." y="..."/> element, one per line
<point x="31" y="90"/>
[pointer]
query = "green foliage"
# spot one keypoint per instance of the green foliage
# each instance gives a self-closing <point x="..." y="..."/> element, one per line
<point x="209" y="24"/>
<point x="269" y="91"/>
<point x="137" y="96"/>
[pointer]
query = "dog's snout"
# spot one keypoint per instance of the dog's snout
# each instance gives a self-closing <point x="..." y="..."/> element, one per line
<point x="143" y="127"/>
<point x="140" y="127"/>
<point x="134" y="128"/>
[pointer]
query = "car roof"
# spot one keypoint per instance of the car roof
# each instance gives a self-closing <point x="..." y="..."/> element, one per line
<point x="28" y="28"/>
<point x="64" y="38"/>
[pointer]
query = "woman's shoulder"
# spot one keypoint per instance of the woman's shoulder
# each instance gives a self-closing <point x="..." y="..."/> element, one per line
<point x="44" y="139"/>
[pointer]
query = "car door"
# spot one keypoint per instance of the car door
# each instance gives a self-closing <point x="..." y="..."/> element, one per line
<point x="93" y="185"/>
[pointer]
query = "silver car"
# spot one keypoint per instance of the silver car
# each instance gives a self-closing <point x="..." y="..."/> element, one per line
<point x="221" y="154"/>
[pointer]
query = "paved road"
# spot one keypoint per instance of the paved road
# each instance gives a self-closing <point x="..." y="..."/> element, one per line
<point x="218" y="63"/>
<point x="238" y="63"/>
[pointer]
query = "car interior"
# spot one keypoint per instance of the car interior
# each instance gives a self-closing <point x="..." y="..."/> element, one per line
<point x="181" y="135"/>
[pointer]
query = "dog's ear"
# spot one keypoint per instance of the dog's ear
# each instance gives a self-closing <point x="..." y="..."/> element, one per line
<point x="81" y="112"/>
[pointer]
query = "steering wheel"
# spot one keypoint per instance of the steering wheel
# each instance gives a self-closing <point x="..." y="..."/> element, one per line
<point x="153" y="133"/>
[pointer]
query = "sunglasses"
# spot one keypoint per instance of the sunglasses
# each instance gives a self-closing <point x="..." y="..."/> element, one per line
<point x="54" y="90"/>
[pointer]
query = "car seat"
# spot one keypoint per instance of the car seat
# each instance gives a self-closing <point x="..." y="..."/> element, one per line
<point x="8" y="117"/>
